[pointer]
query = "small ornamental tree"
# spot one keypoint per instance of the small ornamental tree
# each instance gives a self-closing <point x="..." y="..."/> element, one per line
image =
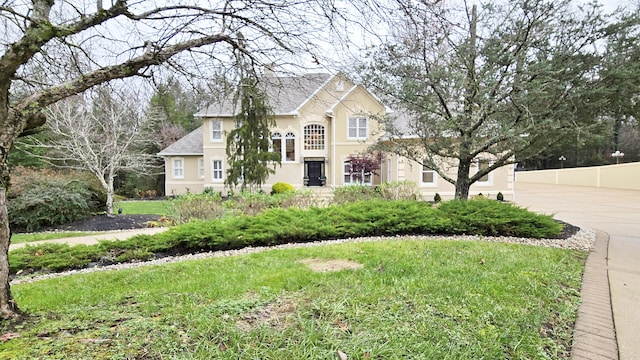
<point x="364" y="165"/>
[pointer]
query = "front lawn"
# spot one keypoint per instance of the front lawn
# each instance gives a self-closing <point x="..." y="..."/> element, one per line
<point x="409" y="300"/>
<point x="144" y="207"/>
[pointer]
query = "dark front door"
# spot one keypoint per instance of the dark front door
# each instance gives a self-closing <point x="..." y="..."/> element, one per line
<point x="314" y="172"/>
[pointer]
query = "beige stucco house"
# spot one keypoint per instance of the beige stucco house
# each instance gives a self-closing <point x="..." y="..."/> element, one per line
<point x="321" y="120"/>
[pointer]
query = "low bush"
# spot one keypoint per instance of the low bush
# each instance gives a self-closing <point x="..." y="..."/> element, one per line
<point x="205" y="206"/>
<point x="353" y="193"/>
<point x="399" y="190"/>
<point x="44" y="197"/>
<point x="278" y="226"/>
<point x="209" y="206"/>
<point x="281" y="188"/>
<point x="483" y="216"/>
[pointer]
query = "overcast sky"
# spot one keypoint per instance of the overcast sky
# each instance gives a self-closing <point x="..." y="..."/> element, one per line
<point x="610" y="5"/>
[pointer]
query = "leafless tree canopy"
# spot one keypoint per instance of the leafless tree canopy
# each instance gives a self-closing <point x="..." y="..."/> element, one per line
<point x="51" y="50"/>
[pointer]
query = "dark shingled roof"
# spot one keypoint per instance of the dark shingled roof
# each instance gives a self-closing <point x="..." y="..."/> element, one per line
<point x="285" y="95"/>
<point x="190" y="144"/>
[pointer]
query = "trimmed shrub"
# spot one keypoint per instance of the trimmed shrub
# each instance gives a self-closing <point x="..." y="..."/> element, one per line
<point x="437" y="198"/>
<point x="500" y="196"/>
<point x="281" y="188"/>
<point x="41" y="198"/>
<point x="279" y="226"/>
<point x="482" y="216"/>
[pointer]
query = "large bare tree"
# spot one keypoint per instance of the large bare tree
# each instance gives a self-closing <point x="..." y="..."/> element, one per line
<point x="102" y="132"/>
<point x="51" y="50"/>
<point x="479" y="87"/>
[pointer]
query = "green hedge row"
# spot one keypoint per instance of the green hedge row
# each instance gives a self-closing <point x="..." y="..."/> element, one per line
<point x="279" y="226"/>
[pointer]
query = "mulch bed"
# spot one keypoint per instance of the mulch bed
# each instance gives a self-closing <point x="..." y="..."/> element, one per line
<point x="106" y="223"/>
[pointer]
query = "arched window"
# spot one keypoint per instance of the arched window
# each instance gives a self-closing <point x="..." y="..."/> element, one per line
<point x="290" y="147"/>
<point x="286" y="149"/>
<point x="314" y="137"/>
<point x="276" y="143"/>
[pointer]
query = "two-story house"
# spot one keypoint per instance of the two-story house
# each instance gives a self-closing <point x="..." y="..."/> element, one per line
<point x="321" y="120"/>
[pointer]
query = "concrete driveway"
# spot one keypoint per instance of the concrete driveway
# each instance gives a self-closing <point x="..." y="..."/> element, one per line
<point x="616" y="212"/>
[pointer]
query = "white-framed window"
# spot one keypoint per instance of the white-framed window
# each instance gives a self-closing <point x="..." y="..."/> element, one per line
<point x="429" y="176"/>
<point x="357" y="127"/>
<point x="349" y="177"/>
<point x="314" y="137"/>
<point x="201" y="168"/>
<point x="216" y="130"/>
<point x="290" y="147"/>
<point x="483" y="164"/>
<point x="286" y="146"/>
<point x="178" y="168"/>
<point x="216" y="170"/>
<point x="276" y="143"/>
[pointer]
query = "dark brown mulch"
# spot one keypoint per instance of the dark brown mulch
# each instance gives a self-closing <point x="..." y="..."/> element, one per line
<point x="106" y="223"/>
<point x="568" y="230"/>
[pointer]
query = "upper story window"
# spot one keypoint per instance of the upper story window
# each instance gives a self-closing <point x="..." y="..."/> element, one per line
<point x="314" y="137"/>
<point x="357" y="127"/>
<point x="178" y="168"/>
<point x="216" y="130"/>
<point x="287" y="150"/>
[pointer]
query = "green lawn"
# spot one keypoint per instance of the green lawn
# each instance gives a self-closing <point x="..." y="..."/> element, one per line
<point x="410" y="300"/>
<point x="147" y="207"/>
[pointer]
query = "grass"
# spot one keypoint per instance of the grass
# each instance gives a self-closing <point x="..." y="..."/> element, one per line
<point x="145" y="207"/>
<point x="412" y="299"/>
<point x="31" y="237"/>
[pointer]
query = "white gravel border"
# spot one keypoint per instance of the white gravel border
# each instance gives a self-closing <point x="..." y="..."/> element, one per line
<point x="582" y="240"/>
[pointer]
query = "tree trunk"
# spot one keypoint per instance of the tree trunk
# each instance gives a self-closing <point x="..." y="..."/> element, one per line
<point x="8" y="307"/>
<point x="466" y="137"/>
<point x="110" y="191"/>
<point x="110" y="202"/>
<point x="462" y="182"/>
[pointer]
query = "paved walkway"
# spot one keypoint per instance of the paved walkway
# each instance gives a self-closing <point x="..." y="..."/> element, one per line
<point x="612" y="268"/>
<point x="93" y="239"/>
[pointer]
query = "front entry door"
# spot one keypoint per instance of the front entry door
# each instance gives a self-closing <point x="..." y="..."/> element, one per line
<point x="315" y="172"/>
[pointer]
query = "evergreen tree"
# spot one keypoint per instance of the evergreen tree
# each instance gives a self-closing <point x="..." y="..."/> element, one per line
<point x="249" y="160"/>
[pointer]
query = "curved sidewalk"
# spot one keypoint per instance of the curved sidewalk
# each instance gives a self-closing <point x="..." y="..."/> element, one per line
<point x="94" y="239"/>
<point x="611" y="283"/>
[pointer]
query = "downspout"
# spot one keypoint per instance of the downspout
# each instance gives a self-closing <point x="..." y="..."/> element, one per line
<point x="334" y="161"/>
